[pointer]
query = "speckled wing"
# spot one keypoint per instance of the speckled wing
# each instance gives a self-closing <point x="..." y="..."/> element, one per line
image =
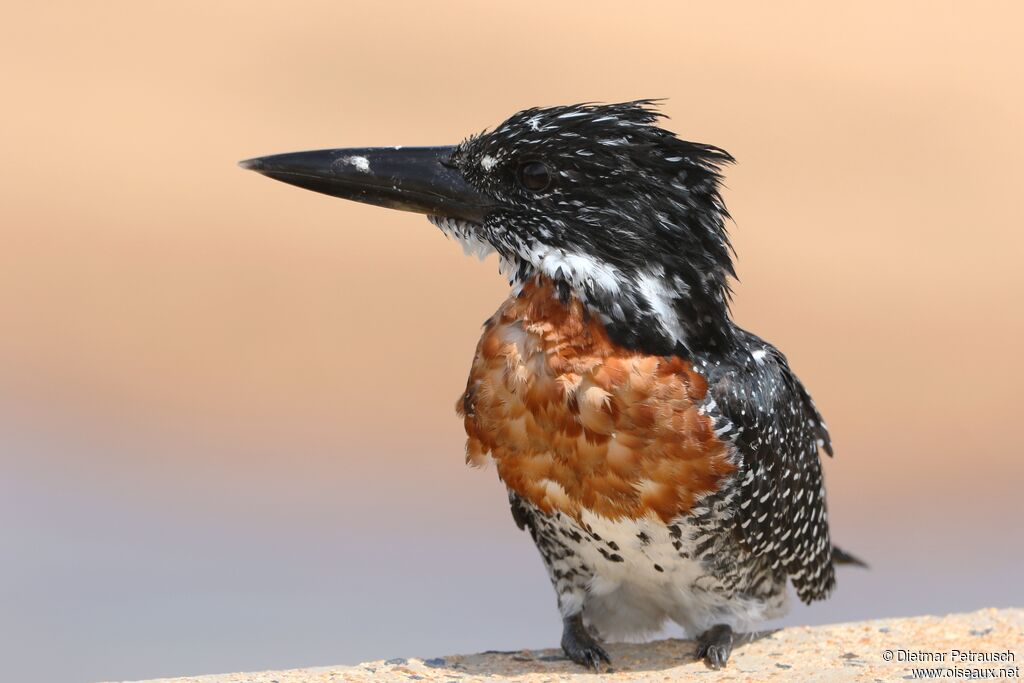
<point x="777" y="432"/>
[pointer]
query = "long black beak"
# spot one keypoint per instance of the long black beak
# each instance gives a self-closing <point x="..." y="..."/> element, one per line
<point x="415" y="179"/>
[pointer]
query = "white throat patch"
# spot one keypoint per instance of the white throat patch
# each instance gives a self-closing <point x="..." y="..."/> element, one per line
<point x="463" y="233"/>
<point x="585" y="274"/>
<point x="589" y="278"/>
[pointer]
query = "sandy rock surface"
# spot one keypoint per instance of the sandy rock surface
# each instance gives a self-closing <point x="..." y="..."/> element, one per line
<point x="975" y="645"/>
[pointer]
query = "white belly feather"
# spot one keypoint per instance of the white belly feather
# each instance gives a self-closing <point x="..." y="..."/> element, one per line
<point x="653" y="582"/>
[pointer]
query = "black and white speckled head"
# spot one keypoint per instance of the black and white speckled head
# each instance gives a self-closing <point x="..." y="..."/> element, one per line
<point x="620" y="212"/>
<point x="614" y="209"/>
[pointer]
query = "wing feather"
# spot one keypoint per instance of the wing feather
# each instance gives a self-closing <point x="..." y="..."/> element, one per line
<point x="778" y="434"/>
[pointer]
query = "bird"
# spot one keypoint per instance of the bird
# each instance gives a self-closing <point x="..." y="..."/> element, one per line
<point x="665" y="461"/>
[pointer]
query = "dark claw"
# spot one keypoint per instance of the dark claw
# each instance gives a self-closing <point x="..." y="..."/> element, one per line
<point x="715" y="656"/>
<point x="715" y="645"/>
<point x="580" y="646"/>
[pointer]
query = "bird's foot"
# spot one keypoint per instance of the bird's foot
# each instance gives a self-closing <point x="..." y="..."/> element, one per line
<point x="715" y="645"/>
<point x="580" y="646"/>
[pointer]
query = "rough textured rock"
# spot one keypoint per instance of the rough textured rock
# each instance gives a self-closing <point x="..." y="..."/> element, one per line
<point x="842" y="652"/>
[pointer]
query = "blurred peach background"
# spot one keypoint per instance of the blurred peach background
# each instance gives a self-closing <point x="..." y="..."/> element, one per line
<point x="227" y="434"/>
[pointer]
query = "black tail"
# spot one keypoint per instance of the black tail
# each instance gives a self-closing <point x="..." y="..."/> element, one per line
<point x="840" y="556"/>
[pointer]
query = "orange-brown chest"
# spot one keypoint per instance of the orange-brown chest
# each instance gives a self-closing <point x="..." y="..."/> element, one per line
<point x="574" y="422"/>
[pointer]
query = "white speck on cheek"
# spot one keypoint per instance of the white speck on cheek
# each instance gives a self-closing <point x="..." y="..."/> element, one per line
<point x="488" y="162"/>
<point x="362" y="164"/>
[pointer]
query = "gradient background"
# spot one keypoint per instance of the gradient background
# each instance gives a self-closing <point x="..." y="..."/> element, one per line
<point x="227" y="437"/>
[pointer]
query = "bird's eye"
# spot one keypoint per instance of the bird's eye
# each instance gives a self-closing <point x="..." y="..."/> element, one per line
<point x="534" y="176"/>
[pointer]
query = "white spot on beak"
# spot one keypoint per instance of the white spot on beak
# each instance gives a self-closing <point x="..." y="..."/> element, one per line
<point x="362" y="164"/>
